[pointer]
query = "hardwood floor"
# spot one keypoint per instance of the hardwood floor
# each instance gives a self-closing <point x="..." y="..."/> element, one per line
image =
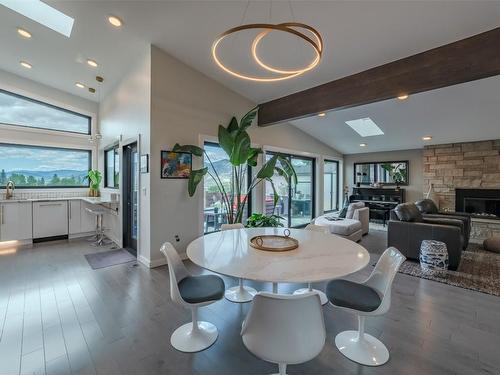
<point x="58" y="316"/>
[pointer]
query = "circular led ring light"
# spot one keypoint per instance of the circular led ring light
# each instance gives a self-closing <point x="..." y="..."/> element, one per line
<point x="268" y="27"/>
<point x="317" y="46"/>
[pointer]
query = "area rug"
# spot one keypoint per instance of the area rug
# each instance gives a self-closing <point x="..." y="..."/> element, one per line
<point x="378" y="226"/>
<point x="109" y="258"/>
<point x="479" y="270"/>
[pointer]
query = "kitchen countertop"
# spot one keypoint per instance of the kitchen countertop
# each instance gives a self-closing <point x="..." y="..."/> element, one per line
<point x="91" y="200"/>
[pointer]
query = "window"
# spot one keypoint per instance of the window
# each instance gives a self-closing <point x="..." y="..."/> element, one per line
<point x="214" y="213"/>
<point x="331" y="186"/>
<point x="21" y="111"/>
<point x="112" y="168"/>
<point x="43" y="167"/>
<point x="296" y="206"/>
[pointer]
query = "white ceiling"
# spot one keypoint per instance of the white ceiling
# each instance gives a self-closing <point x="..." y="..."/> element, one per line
<point x="357" y="35"/>
<point x="465" y="112"/>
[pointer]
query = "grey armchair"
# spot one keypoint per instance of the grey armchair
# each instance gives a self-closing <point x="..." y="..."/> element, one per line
<point x="428" y="209"/>
<point x="408" y="228"/>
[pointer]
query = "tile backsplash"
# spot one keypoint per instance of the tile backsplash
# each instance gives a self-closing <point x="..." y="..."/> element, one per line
<point x="45" y="194"/>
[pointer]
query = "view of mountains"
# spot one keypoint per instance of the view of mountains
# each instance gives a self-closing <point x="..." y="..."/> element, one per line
<point x="49" y="174"/>
<point x="56" y="177"/>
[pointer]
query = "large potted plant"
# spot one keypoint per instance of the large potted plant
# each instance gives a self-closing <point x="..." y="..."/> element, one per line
<point x="257" y="220"/>
<point x="95" y="178"/>
<point x="236" y="143"/>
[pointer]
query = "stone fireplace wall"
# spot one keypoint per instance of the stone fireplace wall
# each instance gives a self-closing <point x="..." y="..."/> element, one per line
<point x="463" y="165"/>
<point x="460" y="165"/>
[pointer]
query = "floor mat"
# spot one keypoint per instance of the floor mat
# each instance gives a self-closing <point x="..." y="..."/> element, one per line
<point x="109" y="258"/>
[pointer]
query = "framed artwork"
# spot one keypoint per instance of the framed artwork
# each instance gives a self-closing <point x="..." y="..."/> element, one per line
<point x="176" y="164"/>
<point x="144" y="163"/>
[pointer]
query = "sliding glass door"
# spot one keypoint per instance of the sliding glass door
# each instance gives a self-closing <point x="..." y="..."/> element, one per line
<point x="297" y="204"/>
<point x="214" y="212"/>
<point x="331" y="186"/>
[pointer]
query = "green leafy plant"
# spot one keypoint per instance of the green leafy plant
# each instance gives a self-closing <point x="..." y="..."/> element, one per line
<point x="236" y="143"/>
<point x="397" y="172"/>
<point x="261" y="220"/>
<point x="95" y="178"/>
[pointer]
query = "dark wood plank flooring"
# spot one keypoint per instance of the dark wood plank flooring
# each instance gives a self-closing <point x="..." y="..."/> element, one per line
<point x="58" y="316"/>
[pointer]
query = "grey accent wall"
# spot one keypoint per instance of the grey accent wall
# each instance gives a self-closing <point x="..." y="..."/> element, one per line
<point x="413" y="190"/>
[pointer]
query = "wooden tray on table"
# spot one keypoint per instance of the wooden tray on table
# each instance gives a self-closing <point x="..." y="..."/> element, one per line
<point x="274" y="242"/>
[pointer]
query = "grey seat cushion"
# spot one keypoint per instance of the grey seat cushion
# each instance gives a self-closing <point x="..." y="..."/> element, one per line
<point x="197" y="289"/>
<point x="427" y="206"/>
<point x="344" y="227"/>
<point x="408" y="212"/>
<point x="352" y="295"/>
<point x="492" y="244"/>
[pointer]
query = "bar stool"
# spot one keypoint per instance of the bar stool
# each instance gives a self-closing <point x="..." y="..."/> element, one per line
<point x="99" y="239"/>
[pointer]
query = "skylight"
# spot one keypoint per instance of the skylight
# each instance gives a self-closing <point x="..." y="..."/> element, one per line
<point x="365" y="127"/>
<point x="43" y="14"/>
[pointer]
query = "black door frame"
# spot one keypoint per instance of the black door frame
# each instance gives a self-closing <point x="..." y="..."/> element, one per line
<point x="338" y="183"/>
<point x="313" y="187"/>
<point x="128" y="242"/>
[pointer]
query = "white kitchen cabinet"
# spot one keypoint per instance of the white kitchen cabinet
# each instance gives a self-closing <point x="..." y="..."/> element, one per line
<point x="88" y="221"/>
<point x="16" y="221"/>
<point x="74" y="216"/>
<point x="50" y="218"/>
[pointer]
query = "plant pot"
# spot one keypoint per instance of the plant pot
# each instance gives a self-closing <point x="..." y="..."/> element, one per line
<point x="94" y="193"/>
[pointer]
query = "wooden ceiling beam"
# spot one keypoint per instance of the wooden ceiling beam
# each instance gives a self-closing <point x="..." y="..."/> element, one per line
<point x="458" y="62"/>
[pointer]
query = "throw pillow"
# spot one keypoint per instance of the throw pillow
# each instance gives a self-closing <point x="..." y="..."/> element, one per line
<point x="427" y="206"/>
<point x="353" y="207"/>
<point x="408" y="212"/>
<point x="343" y="213"/>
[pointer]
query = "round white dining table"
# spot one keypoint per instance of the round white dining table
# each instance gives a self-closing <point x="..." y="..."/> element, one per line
<point x="319" y="256"/>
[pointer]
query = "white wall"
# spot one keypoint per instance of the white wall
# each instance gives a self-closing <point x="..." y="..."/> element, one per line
<point x="413" y="190"/>
<point x="124" y="115"/>
<point x="186" y="106"/>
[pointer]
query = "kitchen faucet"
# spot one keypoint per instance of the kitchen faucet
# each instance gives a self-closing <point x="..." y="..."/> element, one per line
<point x="9" y="190"/>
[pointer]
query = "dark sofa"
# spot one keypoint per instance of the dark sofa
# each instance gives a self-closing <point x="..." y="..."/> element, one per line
<point x="408" y="228"/>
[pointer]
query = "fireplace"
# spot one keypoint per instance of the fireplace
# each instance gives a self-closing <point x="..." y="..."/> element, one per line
<point x="482" y="203"/>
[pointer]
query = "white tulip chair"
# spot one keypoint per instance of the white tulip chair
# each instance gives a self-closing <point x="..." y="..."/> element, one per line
<point x="309" y="289"/>
<point x="284" y="329"/>
<point x="240" y="293"/>
<point x="192" y="292"/>
<point x="369" y="298"/>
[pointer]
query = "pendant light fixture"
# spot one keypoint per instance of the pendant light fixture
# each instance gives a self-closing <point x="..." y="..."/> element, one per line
<point x="306" y="33"/>
<point x="95" y="138"/>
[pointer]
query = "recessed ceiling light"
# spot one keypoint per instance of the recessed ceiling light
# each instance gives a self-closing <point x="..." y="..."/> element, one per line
<point x="427" y="138"/>
<point x="24" y="33"/>
<point x="365" y="127"/>
<point x="80" y="85"/>
<point x="25" y="64"/>
<point x="115" y="21"/>
<point x="92" y="63"/>
<point x="403" y="96"/>
<point x="42" y="13"/>
<point x="362" y="145"/>
<point x="322" y="114"/>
